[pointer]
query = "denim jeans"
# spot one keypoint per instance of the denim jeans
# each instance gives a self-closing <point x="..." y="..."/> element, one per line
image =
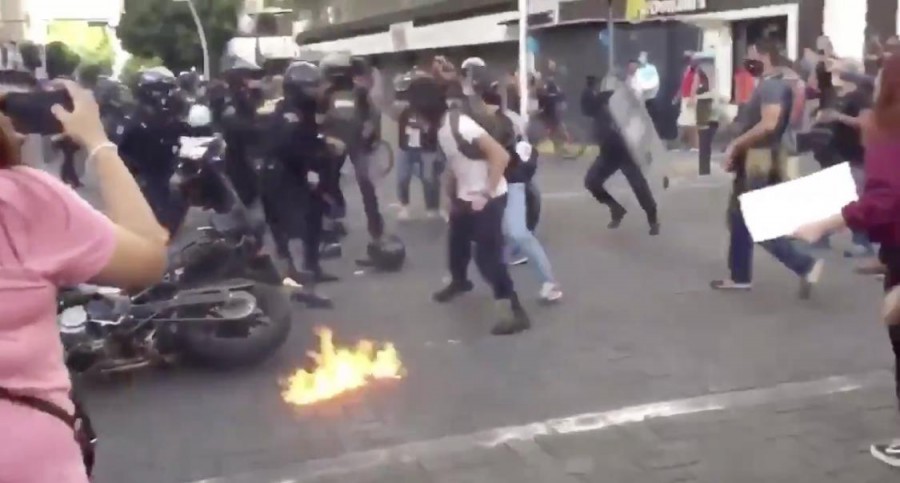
<point x="425" y="166"/>
<point x="860" y="239"/>
<point x="519" y="239"/>
<point x="740" y="251"/>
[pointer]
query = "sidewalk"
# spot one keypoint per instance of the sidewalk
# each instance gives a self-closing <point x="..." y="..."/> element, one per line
<point x="816" y="432"/>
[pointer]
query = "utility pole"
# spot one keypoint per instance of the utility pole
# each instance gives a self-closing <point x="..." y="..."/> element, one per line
<point x="201" y="33"/>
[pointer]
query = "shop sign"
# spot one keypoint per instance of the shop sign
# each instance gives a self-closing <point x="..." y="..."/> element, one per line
<point x="667" y="7"/>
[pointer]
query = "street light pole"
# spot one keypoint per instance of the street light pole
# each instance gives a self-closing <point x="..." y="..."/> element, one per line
<point x="610" y="26"/>
<point x="201" y="33"/>
<point x="523" y="59"/>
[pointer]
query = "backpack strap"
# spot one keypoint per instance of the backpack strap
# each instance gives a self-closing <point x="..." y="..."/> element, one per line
<point x="469" y="150"/>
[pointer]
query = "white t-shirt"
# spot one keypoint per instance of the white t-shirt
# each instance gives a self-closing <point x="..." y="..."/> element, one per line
<point x="471" y="175"/>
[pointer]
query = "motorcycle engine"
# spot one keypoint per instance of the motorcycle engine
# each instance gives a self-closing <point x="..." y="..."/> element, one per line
<point x="83" y="333"/>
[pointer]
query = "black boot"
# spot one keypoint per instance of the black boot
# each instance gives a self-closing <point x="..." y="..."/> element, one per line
<point x="512" y="318"/>
<point x="617" y="213"/>
<point x="654" y="224"/>
<point x="451" y="291"/>
<point x="330" y="251"/>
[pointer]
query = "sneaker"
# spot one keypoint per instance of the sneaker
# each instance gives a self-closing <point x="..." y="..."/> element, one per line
<point x="451" y="291"/>
<point x="511" y="318"/>
<point x="808" y="281"/>
<point x="729" y="285"/>
<point x="432" y="214"/>
<point x="617" y="213"/>
<point x="519" y="261"/>
<point x="654" y="229"/>
<point x="403" y="214"/>
<point x="887" y="453"/>
<point x="550" y="292"/>
<point x="445" y="215"/>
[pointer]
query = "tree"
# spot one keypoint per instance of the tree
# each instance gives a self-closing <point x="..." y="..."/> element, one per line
<point x="31" y="55"/>
<point x="165" y="29"/>
<point x="92" y="43"/>
<point x="61" y="60"/>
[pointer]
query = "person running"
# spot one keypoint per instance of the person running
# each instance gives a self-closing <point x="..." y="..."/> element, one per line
<point x="614" y="156"/>
<point x="757" y="158"/>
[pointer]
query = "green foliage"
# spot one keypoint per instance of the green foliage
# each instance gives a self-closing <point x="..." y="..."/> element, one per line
<point x="91" y="43"/>
<point x="134" y="65"/>
<point x="165" y="29"/>
<point x="61" y="60"/>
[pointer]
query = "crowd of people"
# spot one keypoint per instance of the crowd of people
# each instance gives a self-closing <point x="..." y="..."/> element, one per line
<point x="459" y="134"/>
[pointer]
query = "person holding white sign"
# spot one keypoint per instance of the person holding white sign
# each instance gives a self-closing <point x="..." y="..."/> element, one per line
<point x="757" y="158"/>
<point x="875" y="212"/>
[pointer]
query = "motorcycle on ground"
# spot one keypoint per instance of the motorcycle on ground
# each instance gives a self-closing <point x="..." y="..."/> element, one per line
<point x="222" y="303"/>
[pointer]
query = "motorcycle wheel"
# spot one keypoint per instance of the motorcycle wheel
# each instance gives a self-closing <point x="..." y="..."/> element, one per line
<point x="211" y="349"/>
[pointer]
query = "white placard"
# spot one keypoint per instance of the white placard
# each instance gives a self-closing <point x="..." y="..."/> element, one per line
<point x="779" y="210"/>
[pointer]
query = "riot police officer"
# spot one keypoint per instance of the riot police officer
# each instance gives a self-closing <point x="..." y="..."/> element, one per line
<point x="148" y="141"/>
<point x="291" y="172"/>
<point x="351" y="118"/>
<point x="239" y="124"/>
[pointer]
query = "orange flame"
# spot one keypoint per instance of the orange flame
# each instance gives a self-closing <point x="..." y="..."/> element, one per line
<point x="341" y="369"/>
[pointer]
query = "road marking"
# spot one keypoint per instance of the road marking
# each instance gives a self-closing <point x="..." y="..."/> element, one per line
<point x="353" y="463"/>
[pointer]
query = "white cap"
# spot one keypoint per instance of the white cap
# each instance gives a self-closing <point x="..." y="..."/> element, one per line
<point x="473" y="62"/>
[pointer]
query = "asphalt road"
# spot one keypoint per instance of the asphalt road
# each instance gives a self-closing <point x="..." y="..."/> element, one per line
<point x="638" y="325"/>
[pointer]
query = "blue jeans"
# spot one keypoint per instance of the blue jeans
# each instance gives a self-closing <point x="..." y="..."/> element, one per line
<point x="426" y="167"/>
<point x="740" y="251"/>
<point x="860" y="239"/>
<point x="519" y="239"/>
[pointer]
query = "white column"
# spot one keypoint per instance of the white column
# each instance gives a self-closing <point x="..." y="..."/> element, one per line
<point x="845" y="24"/>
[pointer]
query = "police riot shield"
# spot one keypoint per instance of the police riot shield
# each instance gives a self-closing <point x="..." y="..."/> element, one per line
<point x="631" y="117"/>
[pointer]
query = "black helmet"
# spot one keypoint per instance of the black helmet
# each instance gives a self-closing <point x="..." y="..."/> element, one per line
<point x="387" y="254"/>
<point x="301" y="82"/>
<point x="188" y="81"/>
<point x="239" y="71"/>
<point x="157" y="88"/>
<point x="336" y="66"/>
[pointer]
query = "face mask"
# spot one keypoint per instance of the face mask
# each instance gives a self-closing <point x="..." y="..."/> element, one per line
<point x="754" y="67"/>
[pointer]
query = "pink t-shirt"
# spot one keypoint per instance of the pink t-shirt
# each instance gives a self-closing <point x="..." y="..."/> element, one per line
<point x="49" y="237"/>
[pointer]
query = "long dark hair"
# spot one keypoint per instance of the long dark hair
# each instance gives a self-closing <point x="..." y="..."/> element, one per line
<point x="428" y="100"/>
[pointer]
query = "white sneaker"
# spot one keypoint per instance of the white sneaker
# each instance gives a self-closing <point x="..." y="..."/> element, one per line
<point x="403" y="213"/>
<point x="550" y="292"/>
<point x="887" y="453"/>
<point x="445" y="215"/>
<point x="432" y="214"/>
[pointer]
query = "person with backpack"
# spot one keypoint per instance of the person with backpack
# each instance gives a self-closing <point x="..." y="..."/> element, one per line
<point x="475" y="182"/>
<point x="757" y="157"/>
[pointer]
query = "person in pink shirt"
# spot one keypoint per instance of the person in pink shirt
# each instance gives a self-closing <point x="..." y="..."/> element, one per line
<point x="50" y="237"/>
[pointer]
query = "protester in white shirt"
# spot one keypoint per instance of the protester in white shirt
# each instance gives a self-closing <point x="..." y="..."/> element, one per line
<point x="477" y="188"/>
